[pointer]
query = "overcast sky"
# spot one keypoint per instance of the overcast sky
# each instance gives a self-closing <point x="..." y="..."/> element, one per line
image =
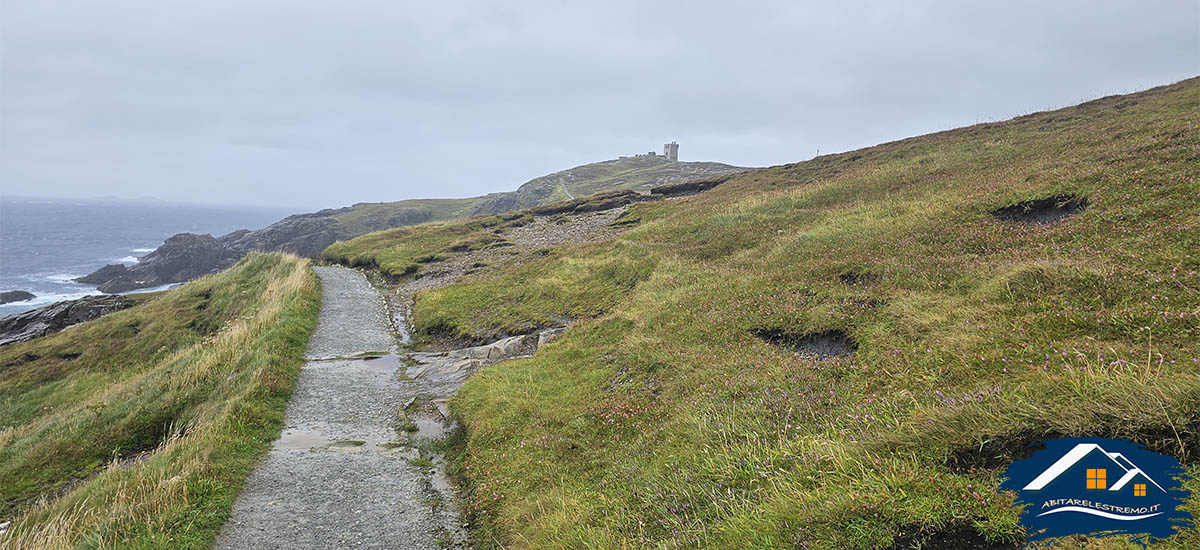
<point x="325" y="103"/>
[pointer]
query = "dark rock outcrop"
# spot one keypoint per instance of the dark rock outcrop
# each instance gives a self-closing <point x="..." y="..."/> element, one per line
<point x="187" y="256"/>
<point x="639" y="174"/>
<point x="15" y="296"/>
<point x="594" y="203"/>
<point x="690" y="187"/>
<point x="182" y="257"/>
<point x="301" y="234"/>
<point x="45" y="320"/>
<point x="103" y="275"/>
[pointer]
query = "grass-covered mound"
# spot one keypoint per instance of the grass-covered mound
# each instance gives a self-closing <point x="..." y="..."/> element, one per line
<point x="846" y="352"/>
<point x="401" y="251"/>
<point x="137" y="430"/>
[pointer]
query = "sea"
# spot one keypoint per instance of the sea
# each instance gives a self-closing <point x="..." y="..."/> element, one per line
<point x="44" y="243"/>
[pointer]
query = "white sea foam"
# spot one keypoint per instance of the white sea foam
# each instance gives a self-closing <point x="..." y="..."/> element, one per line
<point x="168" y="286"/>
<point x="128" y="260"/>
<point x="142" y="250"/>
<point x="53" y="297"/>
<point x="61" y="277"/>
<point x="47" y="299"/>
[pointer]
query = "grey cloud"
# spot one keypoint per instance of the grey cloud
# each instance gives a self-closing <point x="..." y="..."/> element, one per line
<point x="327" y="103"/>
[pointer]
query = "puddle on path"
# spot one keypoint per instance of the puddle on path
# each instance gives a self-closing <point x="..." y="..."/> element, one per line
<point x="386" y="363"/>
<point x="440" y="481"/>
<point x="400" y="322"/>
<point x="296" y="439"/>
<point x="429" y="429"/>
<point x="300" y="440"/>
<point x="348" y="443"/>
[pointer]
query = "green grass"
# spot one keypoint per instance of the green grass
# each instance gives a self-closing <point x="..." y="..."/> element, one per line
<point x="363" y="217"/>
<point x="581" y="181"/>
<point x="397" y="252"/>
<point x="634" y="173"/>
<point x="659" y="421"/>
<point x="139" y="428"/>
<point x="522" y="298"/>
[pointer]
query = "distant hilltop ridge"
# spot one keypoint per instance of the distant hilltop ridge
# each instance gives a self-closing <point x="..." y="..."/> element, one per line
<point x="188" y="255"/>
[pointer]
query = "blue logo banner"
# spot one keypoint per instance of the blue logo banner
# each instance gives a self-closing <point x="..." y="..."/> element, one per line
<point x="1101" y="487"/>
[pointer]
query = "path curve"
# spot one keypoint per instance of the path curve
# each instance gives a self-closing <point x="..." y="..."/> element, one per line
<point x="339" y="476"/>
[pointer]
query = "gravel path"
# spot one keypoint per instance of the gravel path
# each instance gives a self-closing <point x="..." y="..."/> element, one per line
<point x="339" y="477"/>
<point x="353" y="318"/>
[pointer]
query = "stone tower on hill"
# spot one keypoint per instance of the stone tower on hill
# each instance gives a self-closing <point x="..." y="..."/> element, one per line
<point x="671" y="151"/>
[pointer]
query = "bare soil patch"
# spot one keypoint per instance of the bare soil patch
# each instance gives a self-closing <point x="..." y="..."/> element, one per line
<point x="690" y="187"/>
<point x="828" y="343"/>
<point x="1042" y="211"/>
<point x="858" y="277"/>
<point x="961" y="536"/>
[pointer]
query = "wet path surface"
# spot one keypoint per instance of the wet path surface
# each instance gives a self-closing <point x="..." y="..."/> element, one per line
<point x="344" y="472"/>
<point x="339" y="475"/>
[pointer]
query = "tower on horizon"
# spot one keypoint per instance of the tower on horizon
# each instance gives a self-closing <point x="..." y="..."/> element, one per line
<point x="671" y="151"/>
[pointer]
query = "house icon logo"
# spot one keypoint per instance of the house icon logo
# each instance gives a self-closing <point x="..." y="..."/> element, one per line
<point x="1101" y="487"/>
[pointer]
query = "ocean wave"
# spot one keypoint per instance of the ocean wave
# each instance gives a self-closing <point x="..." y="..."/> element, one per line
<point x="47" y="299"/>
<point x="167" y="286"/>
<point x="143" y="250"/>
<point x="128" y="260"/>
<point x="62" y="277"/>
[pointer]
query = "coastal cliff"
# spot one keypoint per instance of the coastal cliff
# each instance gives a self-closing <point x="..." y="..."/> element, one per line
<point x="186" y="256"/>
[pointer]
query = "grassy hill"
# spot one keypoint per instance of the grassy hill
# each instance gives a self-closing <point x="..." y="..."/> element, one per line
<point x="628" y="173"/>
<point x="137" y="430"/>
<point x="972" y="291"/>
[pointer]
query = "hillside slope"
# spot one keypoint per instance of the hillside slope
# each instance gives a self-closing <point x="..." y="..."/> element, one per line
<point x="843" y="352"/>
<point x="186" y="255"/>
<point x="630" y="173"/>
<point x="138" y="429"/>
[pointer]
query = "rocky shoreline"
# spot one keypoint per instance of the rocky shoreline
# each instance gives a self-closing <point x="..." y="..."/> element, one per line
<point x="44" y="320"/>
<point x="11" y="296"/>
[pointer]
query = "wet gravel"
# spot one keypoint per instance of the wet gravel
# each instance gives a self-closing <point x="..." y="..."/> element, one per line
<point x="339" y="477"/>
<point x="348" y="399"/>
<point x="353" y="317"/>
<point x="331" y="499"/>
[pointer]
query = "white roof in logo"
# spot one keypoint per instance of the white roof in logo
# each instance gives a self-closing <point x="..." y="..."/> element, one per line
<point x="1076" y="454"/>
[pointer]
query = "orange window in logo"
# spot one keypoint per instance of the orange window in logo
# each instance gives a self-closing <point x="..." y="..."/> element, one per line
<point x="1097" y="478"/>
<point x="1139" y="489"/>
